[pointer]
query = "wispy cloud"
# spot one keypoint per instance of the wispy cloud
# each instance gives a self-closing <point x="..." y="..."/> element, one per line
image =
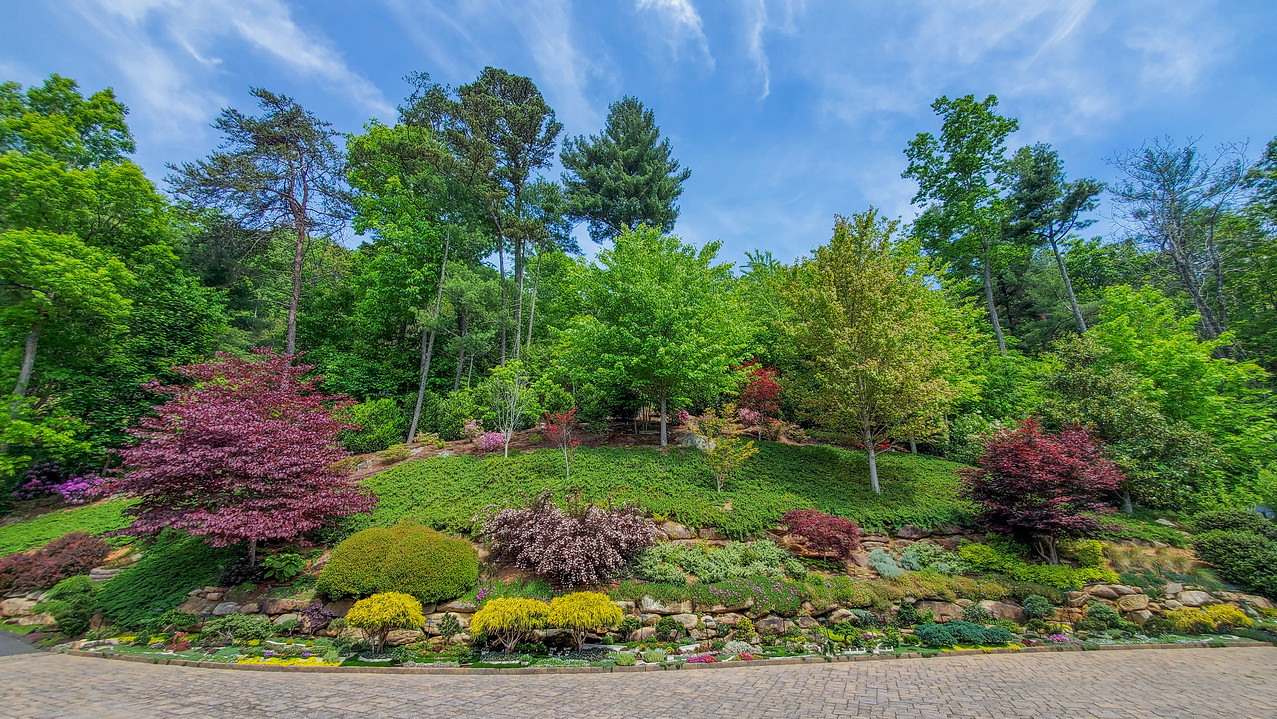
<point x="757" y="53"/>
<point x="683" y="21"/>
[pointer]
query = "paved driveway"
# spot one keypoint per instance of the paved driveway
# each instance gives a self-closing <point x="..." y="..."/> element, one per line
<point x="1173" y="683"/>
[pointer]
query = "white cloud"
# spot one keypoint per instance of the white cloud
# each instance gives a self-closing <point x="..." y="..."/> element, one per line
<point x="684" y="23"/>
<point x="757" y="53"/>
<point x="547" y="29"/>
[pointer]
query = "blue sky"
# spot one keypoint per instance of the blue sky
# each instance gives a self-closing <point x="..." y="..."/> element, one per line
<point x="786" y="111"/>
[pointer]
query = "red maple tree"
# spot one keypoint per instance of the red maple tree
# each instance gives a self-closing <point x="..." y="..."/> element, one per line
<point x="1038" y="487"/>
<point x="246" y="452"/>
<point x="824" y="533"/>
<point x="559" y="429"/>
<point x="761" y="392"/>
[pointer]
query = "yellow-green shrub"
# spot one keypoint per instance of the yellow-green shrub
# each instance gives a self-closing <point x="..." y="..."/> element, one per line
<point x="429" y="566"/>
<point x="355" y="565"/>
<point x="1226" y="616"/>
<point x="408" y="558"/>
<point x="507" y="620"/>
<point x="581" y="611"/>
<point x="379" y="614"/>
<point x="1187" y="620"/>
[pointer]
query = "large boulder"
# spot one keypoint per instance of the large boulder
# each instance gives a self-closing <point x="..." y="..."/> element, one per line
<point x="400" y="637"/>
<point x="339" y="608"/>
<point x="1194" y="598"/>
<point x="225" y="608"/>
<point x="196" y="605"/>
<point x="649" y="605"/>
<point x="687" y="620"/>
<point x="772" y="625"/>
<point x="457" y="606"/>
<point x="912" y="531"/>
<point x="674" y="530"/>
<point x="1133" y="602"/>
<point x="943" y="611"/>
<point x="1140" y="617"/>
<point x="841" y="615"/>
<point x="16" y="607"/>
<point x="729" y="619"/>
<point x="273" y="605"/>
<point x="1004" y="610"/>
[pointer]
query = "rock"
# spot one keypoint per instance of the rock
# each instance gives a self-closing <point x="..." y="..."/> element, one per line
<point x="544" y="634"/>
<point x="196" y="605"/>
<point x="870" y="546"/>
<point x="338" y="609"/>
<point x="946" y="529"/>
<point x="456" y="606"/>
<point x="34" y="619"/>
<point x="858" y="559"/>
<point x="840" y="615"/>
<point x="212" y="589"/>
<point x="964" y="603"/>
<point x="1133" y="602"/>
<point x="642" y="634"/>
<point x="225" y="608"/>
<point x="1170" y="604"/>
<point x="1164" y="522"/>
<point x="1194" y="598"/>
<point x="903" y="543"/>
<point x="711" y="533"/>
<point x="649" y="605"/>
<point x="1254" y="601"/>
<point x="944" y="611"/>
<point x="195" y="591"/>
<point x="1123" y="590"/>
<point x="1140" y="617"/>
<point x="730" y="619"/>
<point x="1076" y="599"/>
<point x="688" y="621"/>
<point x="250" y="608"/>
<point x="912" y="531"/>
<point x="213" y="596"/>
<point x="16" y="607"/>
<point x="99" y="574"/>
<point x="1172" y="588"/>
<point x="772" y="625"/>
<point x="697" y="635"/>
<point x="400" y="637"/>
<point x="805" y="622"/>
<point x="724" y="609"/>
<point x="649" y="620"/>
<point x="879" y="538"/>
<point x="435" y="620"/>
<point x="272" y="605"/>
<point x="364" y="464"/>
<point x="674" y="530"/>
<point x="1104" y="591"/>
<point x="287" y="618"/>
<point x="1004" y="610"/>
<point x="626" y="607"/>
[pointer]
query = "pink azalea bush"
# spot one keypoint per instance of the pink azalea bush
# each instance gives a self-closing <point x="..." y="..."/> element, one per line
<point x="490" y="442"/>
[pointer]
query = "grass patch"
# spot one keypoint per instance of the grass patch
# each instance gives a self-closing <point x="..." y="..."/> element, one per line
<point x="172" y="566"/>
<point x="19" y="629"/>
<point x="34" y="533"/>
<point x="1141" y="525"/>
<point x="447" y="492"/>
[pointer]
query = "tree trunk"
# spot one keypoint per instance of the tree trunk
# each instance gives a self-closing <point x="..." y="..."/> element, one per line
<point x="505" y="311"/>
<point x="873" y="461"/>
<point x="987" y="273"/>
<point x="1128" y="505"/>
<point x="298" y="256"/>
<point x="252" y="552"/>
<point x="428" y="339"/>
<point x="913" y="447"/>
<point x="518" y="299"/>
<point x="28" y="364"/>
<point x="1068" y="286"/>
<point x="463" y="320"/>
<point x="532" y="311"/>
<point x="663" y="435"/>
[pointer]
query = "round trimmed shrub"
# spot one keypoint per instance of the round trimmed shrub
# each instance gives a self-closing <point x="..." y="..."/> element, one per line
<point x="429" y="566"/>
<point x="379" y="614"/>
<point x="354" y="568"/>
<point x="1037" y="606"/>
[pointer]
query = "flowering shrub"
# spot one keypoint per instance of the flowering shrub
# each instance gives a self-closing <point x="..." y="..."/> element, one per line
<point x="1058" y="639"/>
<point x="573" y="548"/>
<point x="581" y="611"/>
<point x="490" y="442"/>
<point x="381" y="613"/>
<point x="682" y="416"/>
<point x="767" y="594"/>
<point x="824" y="533"/>
<point x="702" y="659"/>
<point x="750" y="417"/>
<point x="70" y="555"/>
<point x="507" y="620"/>
<point x="745" y="657"/>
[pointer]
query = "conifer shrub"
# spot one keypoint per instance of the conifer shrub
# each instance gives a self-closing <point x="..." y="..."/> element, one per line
<point x="581" y="611"/>
<point x="71" y="604"/>
<point x="381" y="613"/>
<point x="1037" y="606"/>
<point x="408" y="558"/>
<point x="508" y="620"/>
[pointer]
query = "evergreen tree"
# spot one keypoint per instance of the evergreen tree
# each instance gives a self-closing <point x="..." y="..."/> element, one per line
<point x="624" y="177"/>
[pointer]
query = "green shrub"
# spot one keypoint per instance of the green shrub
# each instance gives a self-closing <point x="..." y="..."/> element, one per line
<point x="1003" y="558"/>
<point x="283" y="567"/>
<point x="934" y="635"/>
<point x="1234" y="520"/>
<point x="907" y="616"/>
<point x="668" y="628"/>
<point x="924" y="555"/>
<point x="34" y="533"/>
<point x="429" y="566"/>
<point x="382" y="423"/>
<point x="1037" y="606"/>
<point x="1246" y="559"/>
<point x="447" y="492"/>
<point x="241" y="627"/>
<point x="171" y="567"/>
<point x="394" y="453"/>
<point x="354" y="567"/>
<point x="1105" y="614"/>
<point x="1086" y="552"/>
<point x="977" y="614"/>
<point x="71" y="604"/>
<point x="1007" y="624"/>
<point x="625" y="659"/>
<point x="654" y="656"/>
<point x="884" y="563"/>
<point x="670" y="562"/>
<point x="381" y="613"/>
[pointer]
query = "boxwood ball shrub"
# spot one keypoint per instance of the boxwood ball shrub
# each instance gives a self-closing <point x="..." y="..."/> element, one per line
<point x="508" y="620"/>
<point x="581" y="611"/>
<point x="381" y="613"/>
<point x="409" y="558"/>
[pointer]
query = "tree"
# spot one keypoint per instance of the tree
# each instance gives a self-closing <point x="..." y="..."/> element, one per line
<point x="877" y="336"/>
<point x="660" y="319"/>
<point x="761" y="392"/>
<point x="510" y="398"/>
<point x="281" y="169"/>
<point x="959" y="179"/>
<point x="720" y="439"/>
<point x="1173" y="200"/>
<point x="56" y="121"/>
<point x="1039" y="487"/>
<point x="499" y="131"/>
<point x="55" y="284"/>
<point x="624" y="177"/>
<point x="559" y="428"/>
<point x="1046" y="206"/>
<point x="241" y="455"/>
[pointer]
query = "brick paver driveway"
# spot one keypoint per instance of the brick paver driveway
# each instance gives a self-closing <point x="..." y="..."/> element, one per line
<point x="1177" y="683"/>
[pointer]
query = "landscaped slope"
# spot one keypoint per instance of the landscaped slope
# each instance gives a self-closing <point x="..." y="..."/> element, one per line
<point x="447" y="492"/>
